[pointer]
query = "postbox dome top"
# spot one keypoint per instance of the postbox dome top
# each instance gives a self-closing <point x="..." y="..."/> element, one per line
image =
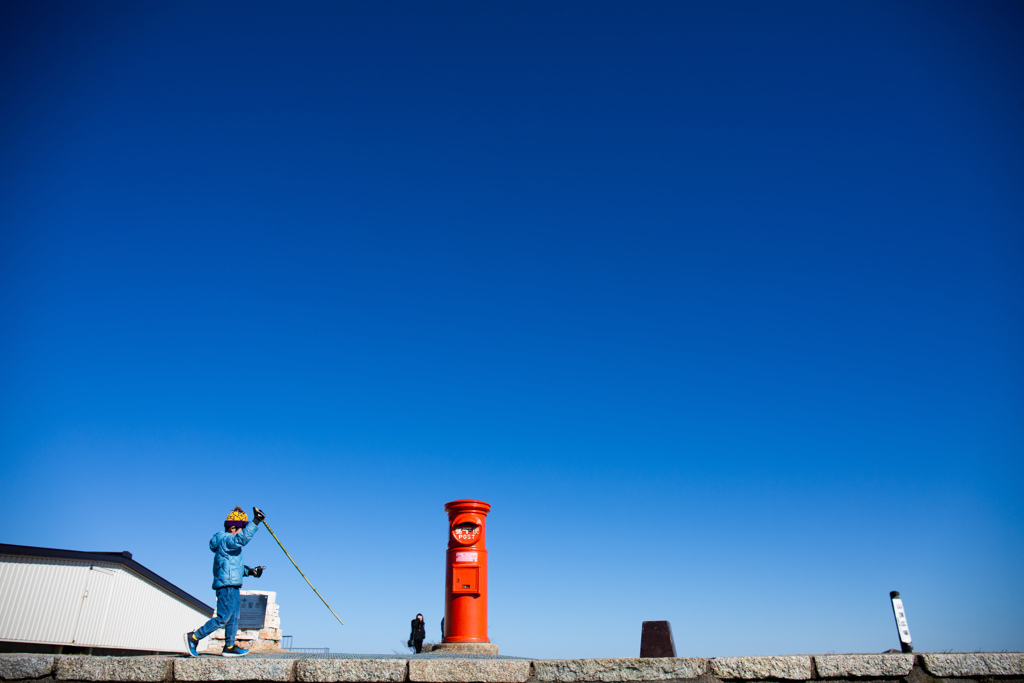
<point x="467" y="505"/>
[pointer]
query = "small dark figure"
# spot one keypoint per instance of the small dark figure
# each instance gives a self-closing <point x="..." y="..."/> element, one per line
<point x="419" y="632"/>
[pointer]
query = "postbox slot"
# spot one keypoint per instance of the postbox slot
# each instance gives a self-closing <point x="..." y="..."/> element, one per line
<point x="466" y="579"/>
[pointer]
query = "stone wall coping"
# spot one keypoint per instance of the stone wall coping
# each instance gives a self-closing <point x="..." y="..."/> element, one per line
<point x="844" y="666"/>
<point x="14" y="667"/>
<point x="779" y="667"/>
<point x="351" y="670"/>
<point x="151" y="669"/>
<point x="966" y="664"/>
<point x="984" y="667"/>
<point x="614" y="670"/>
<point x="469" y="670"/>
<point x="234" y="669"/>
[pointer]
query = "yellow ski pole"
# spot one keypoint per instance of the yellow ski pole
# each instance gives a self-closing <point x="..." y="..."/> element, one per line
<point x="300" y="571"/>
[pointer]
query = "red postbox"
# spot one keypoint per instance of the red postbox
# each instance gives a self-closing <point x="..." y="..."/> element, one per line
<point x="465" y="596"/>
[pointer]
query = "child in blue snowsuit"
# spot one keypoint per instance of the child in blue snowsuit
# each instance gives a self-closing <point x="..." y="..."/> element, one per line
<point x="228" y="571"/>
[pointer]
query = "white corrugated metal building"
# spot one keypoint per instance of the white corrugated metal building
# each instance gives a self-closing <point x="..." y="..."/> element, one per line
<point x="101" y="603"/>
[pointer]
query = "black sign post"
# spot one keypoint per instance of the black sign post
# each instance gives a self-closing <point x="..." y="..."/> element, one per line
<point x="901" y="621"/>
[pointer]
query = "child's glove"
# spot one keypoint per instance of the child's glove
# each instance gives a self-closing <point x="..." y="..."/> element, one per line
<point x="257" y="515"/>
<point x="254" y="571"/>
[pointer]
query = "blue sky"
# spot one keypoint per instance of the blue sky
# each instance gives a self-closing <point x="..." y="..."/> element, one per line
<point x="717" y="304"/>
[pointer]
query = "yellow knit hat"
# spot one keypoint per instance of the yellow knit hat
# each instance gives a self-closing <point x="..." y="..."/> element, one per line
<point x="237" y="518"/>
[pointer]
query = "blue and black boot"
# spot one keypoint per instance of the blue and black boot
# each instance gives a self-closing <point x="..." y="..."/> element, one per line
<point x="191" y="642"/>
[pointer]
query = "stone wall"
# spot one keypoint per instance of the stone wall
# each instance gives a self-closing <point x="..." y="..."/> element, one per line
<point x="978" y="667"/>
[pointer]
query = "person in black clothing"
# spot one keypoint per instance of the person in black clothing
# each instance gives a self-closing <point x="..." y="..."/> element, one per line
<point x="419" y="632"/>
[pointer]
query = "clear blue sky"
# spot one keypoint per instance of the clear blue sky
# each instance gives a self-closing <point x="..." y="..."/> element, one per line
<point x="719" y="305"/>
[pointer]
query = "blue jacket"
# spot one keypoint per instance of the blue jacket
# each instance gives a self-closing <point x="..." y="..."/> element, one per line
<point x="227" y="556"/>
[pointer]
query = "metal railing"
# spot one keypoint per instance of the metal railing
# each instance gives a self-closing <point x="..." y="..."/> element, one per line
<point x="286" y="645"/>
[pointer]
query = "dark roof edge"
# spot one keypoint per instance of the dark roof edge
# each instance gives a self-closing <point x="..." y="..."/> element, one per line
<point x="123" y="558"/>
